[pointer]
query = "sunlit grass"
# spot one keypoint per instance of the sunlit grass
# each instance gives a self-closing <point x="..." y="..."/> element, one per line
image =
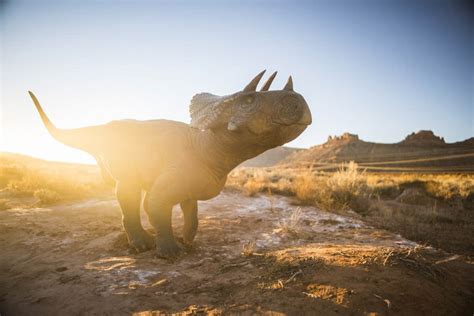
<point x="338" y="189"/>
<point x="433" y="208"/>
<point x="48" y="182"/>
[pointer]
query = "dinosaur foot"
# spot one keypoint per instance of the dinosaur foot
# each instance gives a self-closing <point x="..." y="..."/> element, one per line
<point x="167" y="249"/>
<point x="142" y="242"/>
<point x="186" y="244"/>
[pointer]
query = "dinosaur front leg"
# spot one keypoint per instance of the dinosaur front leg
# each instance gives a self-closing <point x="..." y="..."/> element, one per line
<point x="190" y="209"/>
<point x="129" y="197"/>
<point x="164" y="193"/>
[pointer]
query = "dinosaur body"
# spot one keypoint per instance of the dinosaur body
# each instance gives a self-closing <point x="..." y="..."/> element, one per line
<point x="140" y="151"/>
<point x="176" y="163"/>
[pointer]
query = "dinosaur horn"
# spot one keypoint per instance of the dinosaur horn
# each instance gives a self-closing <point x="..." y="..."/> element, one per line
<point x="267" y="84"/>
<point x="252" y="86"/>
<point x="289" y="85"/>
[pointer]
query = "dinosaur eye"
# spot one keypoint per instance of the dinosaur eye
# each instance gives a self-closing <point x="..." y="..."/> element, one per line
<point x="248" y="104"/>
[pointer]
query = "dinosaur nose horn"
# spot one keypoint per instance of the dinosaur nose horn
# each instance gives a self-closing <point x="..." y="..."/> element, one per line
<point x="267" y="84"/>
<point x="289" y="85"/>
<point x="252" y="86"/>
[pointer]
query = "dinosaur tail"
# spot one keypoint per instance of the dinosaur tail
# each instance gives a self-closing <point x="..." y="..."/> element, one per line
<point x="80" y="138"/>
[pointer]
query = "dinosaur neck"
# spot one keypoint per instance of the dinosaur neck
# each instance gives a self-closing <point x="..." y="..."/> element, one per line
<point x="225" y="150"/>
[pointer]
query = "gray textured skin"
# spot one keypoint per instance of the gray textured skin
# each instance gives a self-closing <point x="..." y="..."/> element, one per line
<point x="173" y="162"/>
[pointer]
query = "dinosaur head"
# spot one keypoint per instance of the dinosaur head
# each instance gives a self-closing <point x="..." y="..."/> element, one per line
<point x="267" y="117"/>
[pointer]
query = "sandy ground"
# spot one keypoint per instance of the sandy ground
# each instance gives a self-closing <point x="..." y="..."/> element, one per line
<point x="252" y="255"/>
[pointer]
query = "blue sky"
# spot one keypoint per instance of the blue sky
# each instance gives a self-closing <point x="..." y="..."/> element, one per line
<point x="380" y="69"/>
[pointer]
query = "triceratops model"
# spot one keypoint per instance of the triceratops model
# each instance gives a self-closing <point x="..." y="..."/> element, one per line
<point x="173" y="162"/>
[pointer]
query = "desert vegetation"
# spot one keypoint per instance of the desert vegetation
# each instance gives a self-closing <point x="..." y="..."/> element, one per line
<point x="432" y="208"/>
<point x="33" y="181"/>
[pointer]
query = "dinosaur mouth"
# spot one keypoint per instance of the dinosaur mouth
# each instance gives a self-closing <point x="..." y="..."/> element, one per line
<point x="306" y="119"/>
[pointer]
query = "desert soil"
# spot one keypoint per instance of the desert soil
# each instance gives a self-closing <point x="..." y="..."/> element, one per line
<point x="252" y="255"/>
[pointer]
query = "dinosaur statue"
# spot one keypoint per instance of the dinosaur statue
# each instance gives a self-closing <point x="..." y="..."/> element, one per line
<point x="173" y="162"/>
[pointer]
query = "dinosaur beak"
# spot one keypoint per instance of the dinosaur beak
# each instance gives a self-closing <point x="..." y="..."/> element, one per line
<point x="306" y="118"/>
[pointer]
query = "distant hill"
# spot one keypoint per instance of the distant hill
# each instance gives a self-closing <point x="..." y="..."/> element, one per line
<point x="421" y="151"/>
<point x="271" y="157"/>
<point x="16" y="166"/>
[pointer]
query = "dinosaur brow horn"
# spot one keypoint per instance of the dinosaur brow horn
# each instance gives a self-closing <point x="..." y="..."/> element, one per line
<point x="289" y="85"/>
<point x="268" y="83"/>
<point x="252" y="86"/>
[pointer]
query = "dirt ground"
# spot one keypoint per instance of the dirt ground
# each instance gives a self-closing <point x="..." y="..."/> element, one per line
<point x="252" y="255"/>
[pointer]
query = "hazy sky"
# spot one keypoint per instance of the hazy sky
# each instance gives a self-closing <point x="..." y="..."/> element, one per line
<point x="380" y="69"/>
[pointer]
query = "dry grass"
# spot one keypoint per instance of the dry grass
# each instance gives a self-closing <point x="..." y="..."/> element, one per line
<point x="349" y="184"/>
<point x="433" y="208"/>
<point x="330" y="191"/>
<point x="49" y="182"/>
<point x="248" y="249"/>
<point x="292" y="224"/>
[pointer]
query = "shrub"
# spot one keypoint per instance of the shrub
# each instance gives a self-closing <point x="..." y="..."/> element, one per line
<point x="345" y="188"/>
<point x="348" y="186"/>
<point x="293" y="223"/>
<point x="46" y="196"/>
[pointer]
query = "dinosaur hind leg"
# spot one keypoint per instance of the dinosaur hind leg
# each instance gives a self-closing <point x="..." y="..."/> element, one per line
<point x="129" y="197"/>
<point x="166" y="192"/>
<point x="190" y="209"/>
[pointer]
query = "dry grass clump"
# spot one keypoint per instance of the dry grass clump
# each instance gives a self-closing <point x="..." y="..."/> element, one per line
<point x="46" y="196"/>
<point x="348" y="182"/>
<point x="440" y="186"/>
<point x="49" y="182"/>
<point x="417" y="259"/>
<point x="251" y="181"/>
<point x="328" y="292"/>
<point x="451" y="187"/>
<point x="310" y="187"/>
<point x="248" y="249"/>
<point x="292" y="224"/>
<point x="337" y="191"/>
<point x="279" y="272"/>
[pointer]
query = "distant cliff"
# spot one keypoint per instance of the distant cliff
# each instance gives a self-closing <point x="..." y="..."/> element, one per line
<point x="422" y="151"/>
